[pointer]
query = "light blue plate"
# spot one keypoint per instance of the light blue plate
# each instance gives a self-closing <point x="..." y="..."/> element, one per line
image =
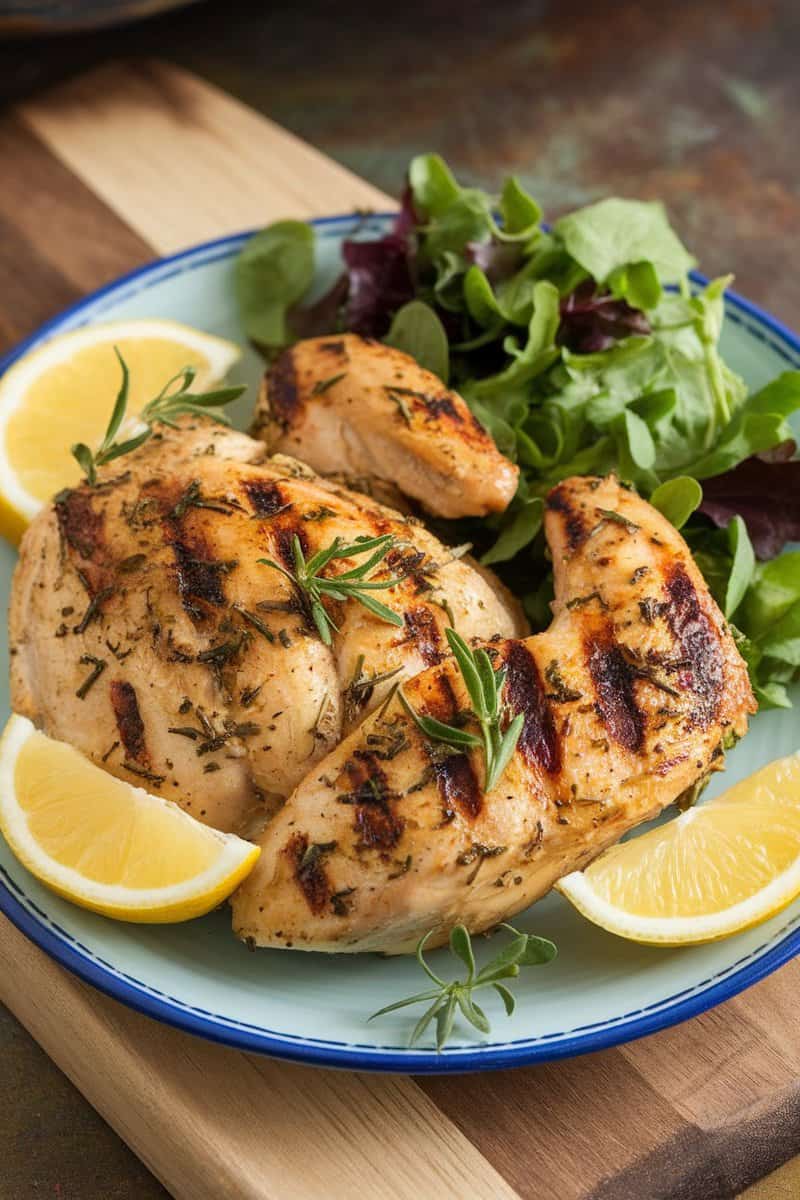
<point x="312" y="1007"/>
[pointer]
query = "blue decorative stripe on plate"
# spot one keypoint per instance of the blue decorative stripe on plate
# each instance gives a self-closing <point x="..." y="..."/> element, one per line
<point x="36" y="924"/>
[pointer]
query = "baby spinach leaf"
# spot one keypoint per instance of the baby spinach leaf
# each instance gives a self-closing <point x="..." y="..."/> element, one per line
<point x="742" y="567"/>
<point x="677" y="499"/>
<point x="417" y="331"/>
<point x="273" y="271"/>
<point x="520" y="212"/>
<point x="433" y="184"/>
<point x="616" y="233"/>
<point x="517" y="533"/>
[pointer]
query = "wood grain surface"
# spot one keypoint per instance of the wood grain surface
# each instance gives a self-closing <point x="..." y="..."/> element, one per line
<point x="695" y="1113"/>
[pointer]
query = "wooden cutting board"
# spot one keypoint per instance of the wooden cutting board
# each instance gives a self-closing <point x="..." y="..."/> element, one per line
<point x="102" y="174"/>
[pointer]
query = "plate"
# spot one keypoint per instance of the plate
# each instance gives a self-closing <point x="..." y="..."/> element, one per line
<point x="311" y="1007"/>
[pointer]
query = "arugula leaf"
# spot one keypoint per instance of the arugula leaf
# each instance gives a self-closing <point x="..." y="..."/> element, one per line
<point x="417" y="330"/>
<point x="775" y="590"/>
<point x="536" y="355"/>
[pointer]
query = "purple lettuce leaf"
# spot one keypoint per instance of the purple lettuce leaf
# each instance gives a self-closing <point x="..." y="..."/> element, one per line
<point x="324" y="316"/>
<point x="381" y="274"/>
<point x="765" y="492"/>
<point x="498" y="260"/>
<point x="592" y="320"/>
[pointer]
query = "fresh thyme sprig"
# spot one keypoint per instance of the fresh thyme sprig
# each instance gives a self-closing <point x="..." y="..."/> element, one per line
<point x="524" y="950"/>
<point x="350" y="585"/>
<point x="484" y="685"/>
<point x="171" y="402"/>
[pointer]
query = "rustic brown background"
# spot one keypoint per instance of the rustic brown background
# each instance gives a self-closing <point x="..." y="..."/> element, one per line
<point x="695" y="102"/>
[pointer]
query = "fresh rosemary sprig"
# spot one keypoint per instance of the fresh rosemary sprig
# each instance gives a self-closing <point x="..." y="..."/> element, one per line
<point x="525" y="950"/>
<point x="171" y="402"/>
<point x="484" y="685"/>
<point x="350" y="585"/>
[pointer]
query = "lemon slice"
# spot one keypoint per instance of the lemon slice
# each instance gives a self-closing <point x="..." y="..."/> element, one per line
<point x="715" y="870"/>
<point x="104" y="844"/>
<point x="63" y="392"/>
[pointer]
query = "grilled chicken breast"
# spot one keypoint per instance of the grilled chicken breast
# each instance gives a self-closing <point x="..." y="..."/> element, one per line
<point x="629" y="698"/>
<point x="350" y="404"/>
<point x="144" y="631"/>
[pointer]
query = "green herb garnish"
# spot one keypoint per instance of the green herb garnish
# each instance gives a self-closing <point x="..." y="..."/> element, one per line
<point x="484" y="685"/>
<point x="176" y="399"/>
<point x="524" y="950"/>
<point x="354" y="584"/>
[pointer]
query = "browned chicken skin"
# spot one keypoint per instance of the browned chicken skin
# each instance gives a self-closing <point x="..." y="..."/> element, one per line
<point x="629" y="699"/>
<point x="144" y="631"/>
<point x="354" y="406"/>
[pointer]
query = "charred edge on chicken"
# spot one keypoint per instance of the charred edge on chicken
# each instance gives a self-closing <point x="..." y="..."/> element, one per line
<point x="308" y="865"/>
<point x="284" y="402"/>
<point x="377" y="825"/>
<point x="525" y="692"/>
<point x="613" y="678"/>
<point x="129" y="720"/>
<point x="699" y="643"/>
<point x="424" y="632"/>
<point x="574" y="524"/>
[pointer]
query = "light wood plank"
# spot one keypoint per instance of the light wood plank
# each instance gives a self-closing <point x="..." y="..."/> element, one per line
<point x="216" y="1124"/>
<point x="181" y="162"/>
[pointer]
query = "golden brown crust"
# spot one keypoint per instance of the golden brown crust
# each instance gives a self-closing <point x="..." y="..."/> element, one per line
<point x="145" y="632"/>
<point x="352" y="405"/>
<point x="628" y="699"/>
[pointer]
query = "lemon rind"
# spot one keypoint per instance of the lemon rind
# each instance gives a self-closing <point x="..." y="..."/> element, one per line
<point x="192" y="897"/>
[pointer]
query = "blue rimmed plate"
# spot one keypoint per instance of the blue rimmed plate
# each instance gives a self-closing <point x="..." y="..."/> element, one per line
<point x="312" y="1007"/>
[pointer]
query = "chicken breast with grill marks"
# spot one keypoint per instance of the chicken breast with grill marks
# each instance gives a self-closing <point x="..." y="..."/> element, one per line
<point x="144" y="631"/>
<point x="629" y="699"/>
<point x="352" y="405"/>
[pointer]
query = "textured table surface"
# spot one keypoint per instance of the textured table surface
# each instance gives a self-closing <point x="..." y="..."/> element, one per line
<point x="698" y="107"/>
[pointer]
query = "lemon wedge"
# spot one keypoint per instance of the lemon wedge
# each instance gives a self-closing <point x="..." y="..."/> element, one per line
<point x="715" y="870"/>
<point x="63" y="392"/>
<point x="104" y="844"/>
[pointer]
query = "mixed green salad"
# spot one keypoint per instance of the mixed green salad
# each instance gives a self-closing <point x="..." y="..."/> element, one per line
<point x="584" y="349"/>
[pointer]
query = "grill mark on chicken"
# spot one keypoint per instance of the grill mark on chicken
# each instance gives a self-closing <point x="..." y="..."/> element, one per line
<point x="309" y="872"/>
<point x="440" y="701"/>
<point x="199" y="577"/>
<point x="334" y="347"/>
<point x="458" y="786"/>
<point x="613" y="679"/>
<point x="81" y="527"/>
<point x="377" y="825"/>
<point x="284" y="402"/>
<point x="443" y="406"/>
<point x="699" y="643"/>
<point x="129" y="720"/>
<point x="266" y="497"/>
<point x="539" y="742"/>
<point x="574" y="524"/>
<point x="284" y="537"/>
<point x="425" y="634"/>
